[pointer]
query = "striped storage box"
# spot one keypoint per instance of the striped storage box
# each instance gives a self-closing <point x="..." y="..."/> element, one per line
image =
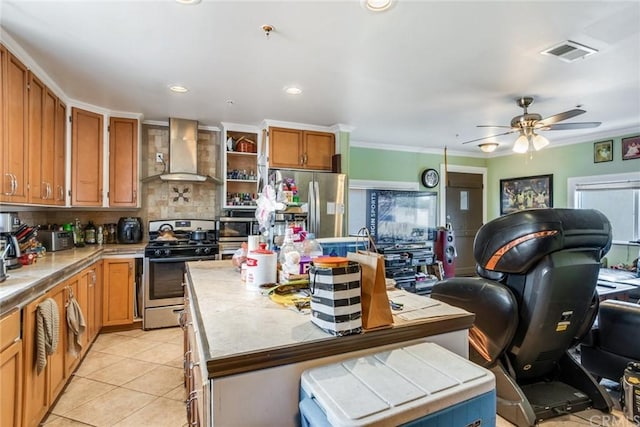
<point x="335" y="298"/>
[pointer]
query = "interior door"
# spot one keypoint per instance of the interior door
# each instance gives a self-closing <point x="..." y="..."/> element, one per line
<point x="464" y="213"/>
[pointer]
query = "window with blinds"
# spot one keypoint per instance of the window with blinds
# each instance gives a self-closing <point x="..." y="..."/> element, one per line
<point x="618" y="197"/>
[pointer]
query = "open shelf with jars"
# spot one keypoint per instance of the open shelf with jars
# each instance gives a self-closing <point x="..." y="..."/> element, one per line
<point x="241" y="175"/>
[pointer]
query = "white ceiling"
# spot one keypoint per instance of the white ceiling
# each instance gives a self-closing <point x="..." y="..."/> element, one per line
<point x="422" y="74"/>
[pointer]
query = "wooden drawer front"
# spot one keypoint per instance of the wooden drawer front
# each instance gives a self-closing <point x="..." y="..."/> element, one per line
<point x="9" y="329"/>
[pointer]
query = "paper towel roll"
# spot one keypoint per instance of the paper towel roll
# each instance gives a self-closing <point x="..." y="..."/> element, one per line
<point x="253" y="243"/>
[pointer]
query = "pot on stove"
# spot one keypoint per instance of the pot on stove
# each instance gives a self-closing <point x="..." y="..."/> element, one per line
<point x="199" y="234"/>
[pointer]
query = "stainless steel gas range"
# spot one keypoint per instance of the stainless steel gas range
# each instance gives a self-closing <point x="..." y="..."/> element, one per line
<point x="172" y="243"/>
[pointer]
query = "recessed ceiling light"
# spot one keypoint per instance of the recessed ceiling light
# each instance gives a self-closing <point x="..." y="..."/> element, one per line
<point x="292" y="90"/>
<point x="188" y="1"/>
<point x="178" y="89"/>
<point x="376" y="5"/>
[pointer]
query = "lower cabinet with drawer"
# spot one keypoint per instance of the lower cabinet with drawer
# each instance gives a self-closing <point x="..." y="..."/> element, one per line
<point x="40" y="389"/>
<point x="10" y="369"/>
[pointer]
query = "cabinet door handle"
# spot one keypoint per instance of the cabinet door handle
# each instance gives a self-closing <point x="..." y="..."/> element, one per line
<point x="60" y="193"/>
<point x="10" y="192"/>
<point x="306" y="158"/>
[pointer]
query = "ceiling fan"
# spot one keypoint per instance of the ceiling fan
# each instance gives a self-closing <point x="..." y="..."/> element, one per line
<point x="527" y="124"/>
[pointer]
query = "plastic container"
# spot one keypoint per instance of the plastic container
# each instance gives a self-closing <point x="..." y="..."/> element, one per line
<point x="311" y="247"/>
<point x="419" y="385"/>
<point x="287" y="246"/>
<point x="261" y="267"/>
<point x="340" y="246"/>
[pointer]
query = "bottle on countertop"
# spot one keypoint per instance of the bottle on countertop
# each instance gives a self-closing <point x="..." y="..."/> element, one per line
<point x="100" y="235"/>
<point x="90" y="234"/>
<point x="289" y="255"/>
<point x="78" y="234"/>
<point x="311" y="247"/>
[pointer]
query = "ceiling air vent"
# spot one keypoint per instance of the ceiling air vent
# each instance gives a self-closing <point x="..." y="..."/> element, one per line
<point x="569" y="51"/>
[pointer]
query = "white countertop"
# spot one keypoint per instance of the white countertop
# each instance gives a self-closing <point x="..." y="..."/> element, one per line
<point x="243" y="330"/>
<point x="29" y="281"/>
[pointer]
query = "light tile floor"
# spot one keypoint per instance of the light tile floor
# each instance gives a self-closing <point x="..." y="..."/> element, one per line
<point x="131" y="378"/>
<point x="134" y="379"/>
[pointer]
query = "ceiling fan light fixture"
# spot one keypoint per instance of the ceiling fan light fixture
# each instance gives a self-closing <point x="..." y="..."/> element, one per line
<point x="521" y="145"/>
<point x="539" y="142"/>
<point x="488" y="147"/>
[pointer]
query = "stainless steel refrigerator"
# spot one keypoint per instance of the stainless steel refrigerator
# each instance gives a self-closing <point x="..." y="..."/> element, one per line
<point x="323" y="193"/>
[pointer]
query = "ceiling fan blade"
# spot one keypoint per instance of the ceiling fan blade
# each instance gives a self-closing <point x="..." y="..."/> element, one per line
<point x="490" y="136"/>
<point x="493" y="126"/>
<point x="560" y="117"/>
<point x="567" y="126"/>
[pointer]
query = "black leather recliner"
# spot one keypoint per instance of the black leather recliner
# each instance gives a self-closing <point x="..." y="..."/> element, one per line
<point x="535" y="298"/>
<point x="614" y="342"/>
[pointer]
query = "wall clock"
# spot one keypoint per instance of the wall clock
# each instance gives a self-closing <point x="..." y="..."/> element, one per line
<point x="430" y="178"/>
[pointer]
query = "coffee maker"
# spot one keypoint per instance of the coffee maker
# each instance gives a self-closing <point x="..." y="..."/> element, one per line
<point x="9" y="248"/>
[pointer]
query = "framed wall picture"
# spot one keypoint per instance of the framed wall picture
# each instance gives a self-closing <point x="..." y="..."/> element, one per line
<point x="525" y="193"/>
<point x="631" y="148"/>
<point x="602" y="151"/>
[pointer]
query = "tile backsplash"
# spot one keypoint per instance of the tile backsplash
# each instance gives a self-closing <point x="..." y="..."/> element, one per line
<point x="160" y="199"/>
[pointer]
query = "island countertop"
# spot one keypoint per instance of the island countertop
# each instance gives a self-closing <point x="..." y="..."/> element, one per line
<point x="242" y="330"/>
<point x="28" y="282"/>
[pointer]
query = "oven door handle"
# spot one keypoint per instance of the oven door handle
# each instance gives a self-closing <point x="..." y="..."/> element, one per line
<point x="183" y="259"/>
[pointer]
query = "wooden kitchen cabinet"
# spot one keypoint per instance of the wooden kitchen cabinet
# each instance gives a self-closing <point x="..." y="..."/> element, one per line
<point x="10" y="370"/>
<point x="36" y="384"/>
<point x="33" y="139"/>
<point x="300" y="149"/>
<point x="94" y="301"/>
<point x="117" y="296"/>
<point x="86" y="157"/>
<point x="195" y="382"/>
<point x="319" y="148"/>
<point x="41" y="137"/>
<point x="40" y="390"/>
<point x="123" y="162"/>
<point x="14" y="144"/>
<point x="57" y="362"/>
<point x="60" y="154"/>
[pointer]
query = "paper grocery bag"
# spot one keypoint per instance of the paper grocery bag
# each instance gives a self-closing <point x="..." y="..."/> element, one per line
<point x="375" y="303"/>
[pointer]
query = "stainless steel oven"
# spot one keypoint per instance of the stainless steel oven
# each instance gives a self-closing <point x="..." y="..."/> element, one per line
<point x="172" y="243"/>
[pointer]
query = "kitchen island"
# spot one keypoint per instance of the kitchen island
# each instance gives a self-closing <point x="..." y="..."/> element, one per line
<point x="246" y="353"/>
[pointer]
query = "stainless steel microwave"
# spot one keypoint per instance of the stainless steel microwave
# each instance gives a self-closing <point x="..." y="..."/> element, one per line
<point x="235" y="229"/>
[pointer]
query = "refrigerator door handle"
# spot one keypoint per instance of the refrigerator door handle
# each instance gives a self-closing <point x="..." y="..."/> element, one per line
<point x="316" y="187"/>
<point x="312" y="208"/>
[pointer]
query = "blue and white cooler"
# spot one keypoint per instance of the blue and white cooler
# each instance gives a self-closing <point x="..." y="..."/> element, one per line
<point x="418" y="385"/>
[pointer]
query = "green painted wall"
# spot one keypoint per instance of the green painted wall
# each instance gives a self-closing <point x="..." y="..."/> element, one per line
<point x="387" y="165"/>
<point x="563" y="162"/>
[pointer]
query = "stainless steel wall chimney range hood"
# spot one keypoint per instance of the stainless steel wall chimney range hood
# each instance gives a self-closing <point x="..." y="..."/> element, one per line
<point x="183" y="153"/>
